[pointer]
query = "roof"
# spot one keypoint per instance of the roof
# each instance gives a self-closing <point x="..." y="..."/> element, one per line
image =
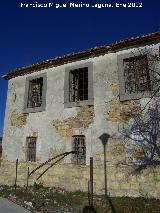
<point x="93" y="52"/>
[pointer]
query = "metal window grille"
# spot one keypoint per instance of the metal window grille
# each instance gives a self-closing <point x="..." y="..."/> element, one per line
<point x="35" y="93"/>
<point x="136" y="74"/>
<point x="78" y="84"/>
<point x="79" y="146"/>
<point x="31" y="149"/>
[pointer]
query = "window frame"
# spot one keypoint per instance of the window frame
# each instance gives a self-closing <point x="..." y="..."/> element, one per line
<point x="44" y="89"/>
<point x="90" y="101"/>
<point x="124" y="96"/>
<point x="74" y="157"/>
<point x="77" y="79"/>
<point x="27" y="149"/>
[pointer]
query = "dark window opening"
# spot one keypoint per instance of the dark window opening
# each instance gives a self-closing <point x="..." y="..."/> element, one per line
<point x="35" y="93"/>
<point x="31" y="149"/>
<point x="136" y="74"/>
<point x="78" y="85"/>
<point x="79" y="146"/>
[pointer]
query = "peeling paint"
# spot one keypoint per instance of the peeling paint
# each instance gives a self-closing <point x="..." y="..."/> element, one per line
<point x="84" y="118"/>
<point x="18" y="120"/>
<point x="122" y="112"/>
<point x="115" y="89"/>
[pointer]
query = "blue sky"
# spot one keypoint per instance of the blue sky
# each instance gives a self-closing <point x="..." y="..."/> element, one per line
<point x="30" y="35"/>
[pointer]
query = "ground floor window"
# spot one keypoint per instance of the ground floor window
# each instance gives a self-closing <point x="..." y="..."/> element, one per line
<point x="31" y="149"/>
<point x="79" y="145"/>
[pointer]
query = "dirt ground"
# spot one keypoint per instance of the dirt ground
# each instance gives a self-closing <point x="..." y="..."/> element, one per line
<point x="39" y="199"/>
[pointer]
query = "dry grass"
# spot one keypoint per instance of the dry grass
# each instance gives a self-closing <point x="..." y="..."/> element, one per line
<point x="55" y="200"/>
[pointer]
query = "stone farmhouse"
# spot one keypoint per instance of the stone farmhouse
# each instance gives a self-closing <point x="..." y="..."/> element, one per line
<point x="66" y="104"/>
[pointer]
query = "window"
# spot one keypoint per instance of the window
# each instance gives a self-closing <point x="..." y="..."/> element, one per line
<point x="79" y="146"/>
<point x="78" y="84"/>
<point x="31" y="149"/>
<point x="134" y="76"/>
<point x="78" y="87"/>
<point x="35" y="94"/>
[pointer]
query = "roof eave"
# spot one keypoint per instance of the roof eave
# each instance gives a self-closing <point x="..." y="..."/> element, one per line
<point x="151" y="38"/>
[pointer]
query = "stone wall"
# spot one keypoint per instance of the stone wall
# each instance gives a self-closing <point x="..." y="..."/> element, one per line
<point x="83" y="119"/>
<point x="55" y="126"/>
<point x="121" y="179"/>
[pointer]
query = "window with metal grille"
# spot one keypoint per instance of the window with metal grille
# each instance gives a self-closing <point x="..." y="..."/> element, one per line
<point x="31" y="149"/>
<point x="78" y="84"/>
<point x="79" y="146"/>
<point x="35" y="93"/>
<point x="136" y="74"/>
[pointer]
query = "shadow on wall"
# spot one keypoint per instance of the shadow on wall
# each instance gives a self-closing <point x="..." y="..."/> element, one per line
<point x="104" y="139"/>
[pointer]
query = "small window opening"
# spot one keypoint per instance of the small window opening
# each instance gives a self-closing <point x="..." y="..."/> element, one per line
<point x="31" y="149"/>
<point x="35" y="93"/>
<point x="79" y="146"/>
<point x="78" y="84"/>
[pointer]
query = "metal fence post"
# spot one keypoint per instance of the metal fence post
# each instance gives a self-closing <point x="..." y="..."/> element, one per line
<point x="91" y="181"/>
<point x="15" y="185"/>
<point x="27" y="178"/>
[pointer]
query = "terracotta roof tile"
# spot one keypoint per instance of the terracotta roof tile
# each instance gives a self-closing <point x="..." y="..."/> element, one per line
<point x="93" y="52"/>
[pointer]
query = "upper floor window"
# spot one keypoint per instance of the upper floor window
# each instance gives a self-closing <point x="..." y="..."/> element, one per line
<point x="78" y="84"/>
<point x="78" y="88"/>
<point x="134" y="76"/>
<point x="35" y="93"/>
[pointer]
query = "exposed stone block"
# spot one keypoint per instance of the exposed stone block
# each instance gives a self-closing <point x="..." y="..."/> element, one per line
<point x="121" y="112"/>
<point x="18" y="120"/>
<point x="83" y="119"/>
<point x="76" y="178"/>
